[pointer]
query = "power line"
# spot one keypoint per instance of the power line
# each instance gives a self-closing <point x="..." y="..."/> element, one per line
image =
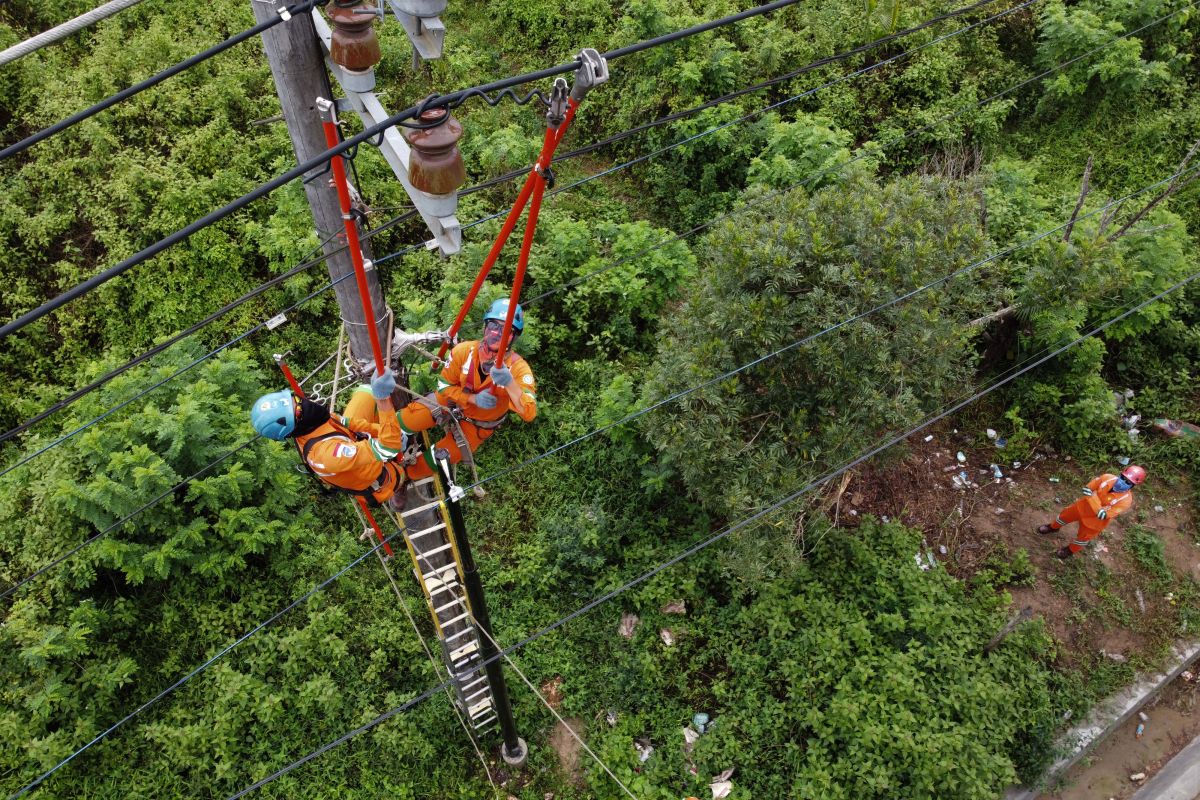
<point x="711" y="540"/>
<point x="220" y="312"/>
<point x="86" y="20"/>
<point x="676" y="396"/>
<point x="452" y="100"/>
<point x="759" y="360"/>
<point x="153" y="80"/>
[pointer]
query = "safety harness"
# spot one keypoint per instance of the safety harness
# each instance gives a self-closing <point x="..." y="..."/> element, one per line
<point x="342" y="432"/>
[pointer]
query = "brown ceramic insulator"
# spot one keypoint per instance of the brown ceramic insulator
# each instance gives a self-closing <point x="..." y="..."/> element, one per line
<point x="355" y="46"/>
<point x="435" y="165"/>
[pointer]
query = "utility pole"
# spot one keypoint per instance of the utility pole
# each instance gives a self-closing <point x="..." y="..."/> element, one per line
<point x="298" y="66"/>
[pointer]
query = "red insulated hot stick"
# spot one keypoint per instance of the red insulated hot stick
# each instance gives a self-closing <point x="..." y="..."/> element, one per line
<point x="287" y="373"/>
<point x="509" y="223"/>
<point x="353" y="244"/>
<point x="366" y="509"/>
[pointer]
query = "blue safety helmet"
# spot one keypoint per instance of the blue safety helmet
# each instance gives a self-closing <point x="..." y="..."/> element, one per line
<point x="499" y="310"/>
<point x="274" y="415"/>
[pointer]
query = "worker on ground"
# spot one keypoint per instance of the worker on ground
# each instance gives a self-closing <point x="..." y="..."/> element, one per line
<point x="482" y="393"/>
<point x="354" y="452"/>
<point x="1103" y="499"/>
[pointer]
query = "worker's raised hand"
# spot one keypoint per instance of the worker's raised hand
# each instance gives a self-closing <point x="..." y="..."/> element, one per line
<point x="501" y="376"/>
<point x="485" y="400"/>
<point x="1102" y="514"/>
<point x="383" y="385"/>
<point x="1087" y="492"/>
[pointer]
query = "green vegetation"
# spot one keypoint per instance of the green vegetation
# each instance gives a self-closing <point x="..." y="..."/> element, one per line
<point x="832" y="665"/>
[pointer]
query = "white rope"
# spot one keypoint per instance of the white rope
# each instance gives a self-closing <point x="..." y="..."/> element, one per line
<point x="368" y="530"/>
<point x="85" y="20"/>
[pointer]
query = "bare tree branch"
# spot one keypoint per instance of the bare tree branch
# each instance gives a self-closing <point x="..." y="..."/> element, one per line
<point x="1083" y="192"/>
<point x="1171" y="187"/>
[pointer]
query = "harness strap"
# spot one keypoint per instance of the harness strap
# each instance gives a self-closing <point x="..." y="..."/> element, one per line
<point x="342" y="432"/>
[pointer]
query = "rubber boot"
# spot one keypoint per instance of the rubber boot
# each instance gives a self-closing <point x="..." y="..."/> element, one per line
<point x="1064" y="552"/>
<point x="1044" y="529"/>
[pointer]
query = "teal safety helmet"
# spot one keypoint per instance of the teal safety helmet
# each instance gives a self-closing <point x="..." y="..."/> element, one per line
<point x="499" y="310"/>
<point x="274" y="415"/>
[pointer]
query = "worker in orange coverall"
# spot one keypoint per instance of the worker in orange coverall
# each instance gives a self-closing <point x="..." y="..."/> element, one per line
<point x="1103" y="499"/>
<point x="355" y="452"/>
<point x="482" y="392"/>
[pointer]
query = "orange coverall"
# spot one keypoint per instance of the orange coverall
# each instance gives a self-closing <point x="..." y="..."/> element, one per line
<point x="344" y="461"/>
<point x="1084" y="510"/>
<point x="467" y="374"/>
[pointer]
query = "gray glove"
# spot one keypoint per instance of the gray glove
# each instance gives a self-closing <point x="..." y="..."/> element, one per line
<point x="501" y="376"/>
<point x="383" y="385"/>
<point x="485" y="400"/>
<point x="1087" y="492"/>
<point x="1102" y="514"/>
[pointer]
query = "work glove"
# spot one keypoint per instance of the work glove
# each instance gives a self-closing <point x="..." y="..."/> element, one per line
<point x="383" y="385"/>
<point x="485" y="400"/>
<point x="1087" y="492"/>
<point x="1102" y="514"/>
<point x="501" y="376"/>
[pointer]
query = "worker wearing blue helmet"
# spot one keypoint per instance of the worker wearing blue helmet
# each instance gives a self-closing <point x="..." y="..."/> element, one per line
<point x="482" y="392"/>
<point x="355" y="452"/>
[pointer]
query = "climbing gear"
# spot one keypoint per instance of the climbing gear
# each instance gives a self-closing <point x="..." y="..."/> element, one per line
<point x="1044" y="529"/>
<point x="592" y="71"/>
<point x="274" y="415"/>
<point x="389" y="472"/>
<point x="499" y="312"/>
<point x="1134" y="474"/>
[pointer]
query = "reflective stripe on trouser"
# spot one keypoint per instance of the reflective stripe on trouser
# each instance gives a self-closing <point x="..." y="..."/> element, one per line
<point x="475" y="437"/>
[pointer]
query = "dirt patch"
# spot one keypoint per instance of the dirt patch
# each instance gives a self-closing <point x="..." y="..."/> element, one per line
<point x="1173" y="721"/>
<point x="568" y="747"/>
<point x="1102" y="599"/>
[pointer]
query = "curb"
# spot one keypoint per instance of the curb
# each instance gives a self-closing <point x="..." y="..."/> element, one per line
<point x="1107" y="716"/>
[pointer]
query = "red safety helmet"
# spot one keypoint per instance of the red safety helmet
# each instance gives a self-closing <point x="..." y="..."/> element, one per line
<point x="1134" y="474"/>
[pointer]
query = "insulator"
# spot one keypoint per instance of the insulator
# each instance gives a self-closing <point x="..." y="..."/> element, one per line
<point x="436" y="165"/>
<point x="354" y="48"/>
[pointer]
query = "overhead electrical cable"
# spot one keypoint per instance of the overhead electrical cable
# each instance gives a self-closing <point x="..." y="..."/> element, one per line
<point x="717" y="537"/>
<point x="154" y="80"/>
<point x="449" y="101"/>
<point x="756" y="200"/>
<point x="85" y="20"/>
<point x="84" y="390"/>
<point x="359" y="559"/>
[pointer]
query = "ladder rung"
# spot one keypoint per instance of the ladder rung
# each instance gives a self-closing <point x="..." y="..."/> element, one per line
<point x="437" y="527"/>
<point x="434" y="551"/>
<point x="411" y="511"/>
<point x="463" y="663"/>
<point x="442" y="587"/>
<point x="470" y="697"/>
<point x="463" y="632"/>
<point x="455" y="602"/>
<point x="480" y="708"/>
<point x="480" y="679"/>
<point x="422" y="482"/>
<point x="487" y="721"/>
<point x="459" y="618"/>
<point x="464" y="651"/>
<point x="439" y="572"/>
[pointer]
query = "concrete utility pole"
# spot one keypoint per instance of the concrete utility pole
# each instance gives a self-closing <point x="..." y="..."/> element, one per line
<point x="298" y="66"/>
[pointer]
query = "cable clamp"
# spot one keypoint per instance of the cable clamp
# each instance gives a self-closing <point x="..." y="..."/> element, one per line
<point x="283" y="12"/>
<point x="593" y="71"/>
<point x="556" y="110"/>
<point x="275" y="321"/>
<point x="547" y="174"/>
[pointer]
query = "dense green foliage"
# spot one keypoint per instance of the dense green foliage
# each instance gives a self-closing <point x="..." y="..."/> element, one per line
<point x="833" y="669"/>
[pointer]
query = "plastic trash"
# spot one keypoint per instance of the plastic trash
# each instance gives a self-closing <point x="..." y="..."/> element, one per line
<point x="667" y="636"/>
<point x="999" y="510"/>
<point x="629" y="622"/>
<point x="929" y="438"/>
<point x="675" y="607"/>
<point x="1143" y="716"/>
<point x="644" y="751"/>
<point x="996" y="473"/>
<point x="700" y="721"/>
<point x="1053" y="479"/>
<point x="1123" y="461"/>
<point x="1159" y="509"/>
<point x="690" y="737"/>
<point x="721" y="785"/>
<point x="1137" y="777"/>
<point x="1001" y="442"/>
<point x="942" y="549"/>
<point x="1141" y="729"/>
<point x="611" y="719"/>
<point x="1178" y="428"/>
<point x="991" y="434"/>
<point x="962" y="458"/>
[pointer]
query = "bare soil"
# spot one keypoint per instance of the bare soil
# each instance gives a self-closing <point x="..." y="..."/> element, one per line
<point x="1102" y="599"/>
<point x="568" y="748"/>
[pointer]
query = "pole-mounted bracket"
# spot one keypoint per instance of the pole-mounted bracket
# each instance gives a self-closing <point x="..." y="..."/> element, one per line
<point x="592" y="71"/>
